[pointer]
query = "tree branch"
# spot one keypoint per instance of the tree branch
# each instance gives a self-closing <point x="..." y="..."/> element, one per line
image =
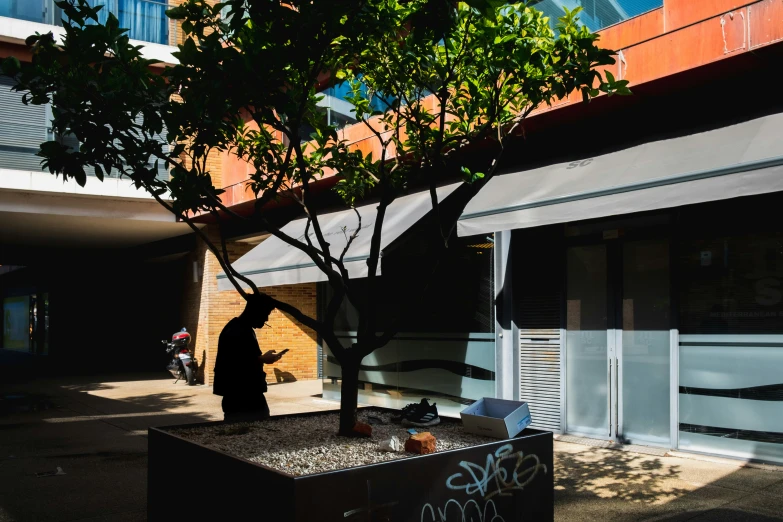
<point x="353" y="236"/>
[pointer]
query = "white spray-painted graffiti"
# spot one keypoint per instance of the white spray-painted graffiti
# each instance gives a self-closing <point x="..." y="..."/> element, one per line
<point x="493" y="478"/>
<point x="470" y="511"/>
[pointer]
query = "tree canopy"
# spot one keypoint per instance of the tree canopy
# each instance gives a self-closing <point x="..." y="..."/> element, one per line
<point x="433" y="81"/>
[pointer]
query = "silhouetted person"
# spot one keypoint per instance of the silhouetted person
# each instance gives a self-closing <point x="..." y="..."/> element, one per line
<point x="239" y="367"/>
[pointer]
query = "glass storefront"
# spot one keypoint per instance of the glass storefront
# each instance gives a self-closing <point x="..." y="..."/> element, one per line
<point x="446" y="348"/>
<point x="731" y="345"/>
<point x="709" y="275"/>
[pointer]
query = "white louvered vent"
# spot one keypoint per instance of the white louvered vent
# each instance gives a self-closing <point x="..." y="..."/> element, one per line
<point x="539" y="376"/>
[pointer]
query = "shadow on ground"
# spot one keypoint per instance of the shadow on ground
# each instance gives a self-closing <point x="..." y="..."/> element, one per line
<point x="609" y="485"/>
<point x="74" y="449"/>
<point x="77" y="449"/>
<point x="625" y="477"/>
<point x="716" y="515"/>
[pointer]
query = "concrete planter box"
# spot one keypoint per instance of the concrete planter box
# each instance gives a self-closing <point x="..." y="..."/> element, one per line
<point x="504" y="481"/>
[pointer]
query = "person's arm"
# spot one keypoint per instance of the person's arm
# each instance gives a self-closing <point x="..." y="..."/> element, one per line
<point x="271" y="357"/>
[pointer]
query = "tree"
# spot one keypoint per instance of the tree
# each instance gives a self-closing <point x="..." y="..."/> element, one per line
<point x="456" y="81"/>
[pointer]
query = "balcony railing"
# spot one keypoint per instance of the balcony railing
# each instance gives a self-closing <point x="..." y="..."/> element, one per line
<point x="145" y="19"/>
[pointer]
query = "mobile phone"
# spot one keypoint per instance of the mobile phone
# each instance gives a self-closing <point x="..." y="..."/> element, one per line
<point x="283" y="352"/>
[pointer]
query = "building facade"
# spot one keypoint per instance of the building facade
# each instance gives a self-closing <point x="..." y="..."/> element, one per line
<point x="622" y="274"/>
<point x="634" y="289"/>
<point x="82" y="266"/>
<point x="640" y="267"/>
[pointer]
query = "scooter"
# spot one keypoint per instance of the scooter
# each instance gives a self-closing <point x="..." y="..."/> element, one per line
<point x="183" y="364"/>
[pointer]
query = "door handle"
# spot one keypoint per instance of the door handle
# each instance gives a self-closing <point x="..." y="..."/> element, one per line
<point x="609" y="394"/>
<point x="617" y="397"/>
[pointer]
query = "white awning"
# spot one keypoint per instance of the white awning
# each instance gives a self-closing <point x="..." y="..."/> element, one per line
<point x="738" y="160"/>
<point x="274" y="262"/>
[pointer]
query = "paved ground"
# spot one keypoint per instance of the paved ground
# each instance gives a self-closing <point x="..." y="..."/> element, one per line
<point x="93" y="430"/>
<point x="610" y="485"/>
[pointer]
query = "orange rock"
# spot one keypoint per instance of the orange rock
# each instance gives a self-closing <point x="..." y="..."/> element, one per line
<point x="362" y="429"/>
<point x="421" y="443"/>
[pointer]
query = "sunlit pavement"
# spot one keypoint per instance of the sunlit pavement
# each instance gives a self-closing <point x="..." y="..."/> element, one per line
<point x="75" y="449"/>
<point x="610" y="485"/>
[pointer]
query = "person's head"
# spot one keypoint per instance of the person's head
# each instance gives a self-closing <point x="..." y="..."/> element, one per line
<point x="257" y="310"/>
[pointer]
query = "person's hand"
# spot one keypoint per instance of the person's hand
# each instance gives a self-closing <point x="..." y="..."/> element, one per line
<point x="271" y="357"/>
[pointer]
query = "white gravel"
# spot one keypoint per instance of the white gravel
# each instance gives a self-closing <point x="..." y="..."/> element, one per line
<point x="308" y="445"/>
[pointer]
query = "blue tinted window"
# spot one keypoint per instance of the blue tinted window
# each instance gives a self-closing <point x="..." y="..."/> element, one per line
<point x="31" y="10"/>
<point x="597" y="14"/>
<point x="145" y="19"/>
<point x="377" y="102"/>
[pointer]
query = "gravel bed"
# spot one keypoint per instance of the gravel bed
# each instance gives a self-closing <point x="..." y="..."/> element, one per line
<point x="308" y="445"/>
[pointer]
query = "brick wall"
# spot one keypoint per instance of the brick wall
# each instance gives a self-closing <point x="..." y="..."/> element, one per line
<point x="175" y="34"/>
<point x="206" y="311"/>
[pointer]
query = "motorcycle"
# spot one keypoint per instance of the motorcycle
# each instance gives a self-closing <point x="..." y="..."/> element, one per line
<point x="183" y="363"/>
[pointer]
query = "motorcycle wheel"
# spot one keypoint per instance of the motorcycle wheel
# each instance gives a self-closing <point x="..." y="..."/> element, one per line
<point x="190" y="376"/>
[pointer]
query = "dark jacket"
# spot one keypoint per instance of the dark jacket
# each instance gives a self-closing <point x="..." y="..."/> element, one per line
<point x="238" y="371"/>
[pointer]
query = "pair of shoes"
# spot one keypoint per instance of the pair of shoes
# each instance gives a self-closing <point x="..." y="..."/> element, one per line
<point x="420" y="415"/>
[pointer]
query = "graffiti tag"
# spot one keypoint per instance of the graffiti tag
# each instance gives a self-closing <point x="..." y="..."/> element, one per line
<point x="503" y="472"/>
<point x="468" y="512"/>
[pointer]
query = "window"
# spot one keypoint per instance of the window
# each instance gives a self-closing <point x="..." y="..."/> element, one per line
<point x="597" y="14"/>
<point x="339" y="112"/>
<point x="446" y="348"/>
<point x="730" y="262"/>
<point x="17" y="331"/>
<point x="145" y="19"/>
<point x="457" y="299"/>
<point x="30" y="10"/>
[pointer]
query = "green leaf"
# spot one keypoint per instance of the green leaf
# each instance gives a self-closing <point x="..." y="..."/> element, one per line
<point x="11" y="66"/>
<point x="177" y="13"/>
<point x="80" y="176"/>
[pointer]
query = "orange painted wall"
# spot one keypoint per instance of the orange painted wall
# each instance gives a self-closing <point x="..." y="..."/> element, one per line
<point x="682" y="35"/>
<point x="679" y="13"/>
<point x="633" y="31"/>
<point x="765" y="24"/>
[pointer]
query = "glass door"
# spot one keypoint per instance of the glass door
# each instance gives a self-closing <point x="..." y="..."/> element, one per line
<point x="587" y="348"/>
<point x="644" y="344"/>
<point x="618" y="341"/>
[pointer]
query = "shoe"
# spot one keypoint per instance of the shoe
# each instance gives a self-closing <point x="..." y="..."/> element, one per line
<point x="405" y="411"/>
<point x="422" y="416"/>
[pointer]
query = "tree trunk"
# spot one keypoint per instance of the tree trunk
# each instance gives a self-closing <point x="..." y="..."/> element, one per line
<point x="349" y="396"/>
